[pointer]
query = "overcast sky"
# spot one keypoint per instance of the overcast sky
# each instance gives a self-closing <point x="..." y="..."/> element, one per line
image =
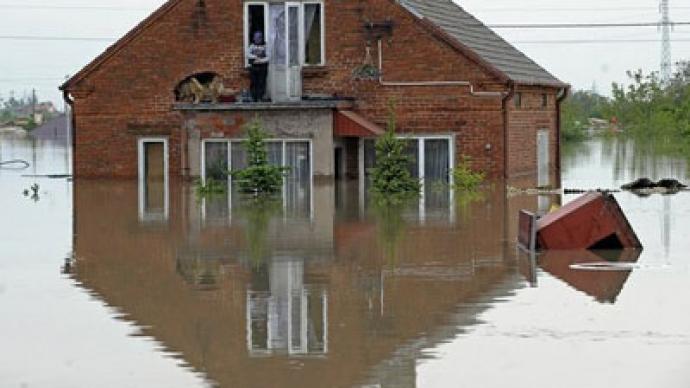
<point x="42" y="64"/>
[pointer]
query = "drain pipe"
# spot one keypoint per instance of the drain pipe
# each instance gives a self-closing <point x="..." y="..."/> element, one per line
<point x="506" y="120"/>
<point x="562" y="95"/>
<point x="432" y="83"/>
<point x="72" y="128"/>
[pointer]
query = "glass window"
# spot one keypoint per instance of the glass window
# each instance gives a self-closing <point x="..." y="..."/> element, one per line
<point x="312" y="34"/>
<point x="413" y="152"/>
<point x="293" y="39"/>
<point x="216" y="160"/>
<point x="518" y="100"/>
<point x="277" y="39"/>
<point x="275" y="153"/>
<point x="436" y="160"/>
<point x="239" y="156"/>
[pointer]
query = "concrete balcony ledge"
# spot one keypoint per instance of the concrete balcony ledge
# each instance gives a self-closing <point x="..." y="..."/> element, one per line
<point x="267" y="106"/>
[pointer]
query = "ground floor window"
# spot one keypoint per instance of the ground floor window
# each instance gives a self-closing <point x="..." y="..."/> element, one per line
<point x="431" y="157"/>
<point x="153" y="179"/>
<point x="220" y="156"/>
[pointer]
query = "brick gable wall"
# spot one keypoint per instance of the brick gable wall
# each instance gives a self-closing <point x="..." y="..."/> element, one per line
<point x="131" y="94"/>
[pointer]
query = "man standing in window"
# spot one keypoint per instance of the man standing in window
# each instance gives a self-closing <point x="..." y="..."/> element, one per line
<point x="258" y="60"/>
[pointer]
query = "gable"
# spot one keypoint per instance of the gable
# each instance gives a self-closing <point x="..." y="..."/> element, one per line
<point x="488" y="45"/>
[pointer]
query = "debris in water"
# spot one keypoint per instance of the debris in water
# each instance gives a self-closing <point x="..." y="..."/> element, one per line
<point x="646" y="187"/>
<point x="593" y="221"/>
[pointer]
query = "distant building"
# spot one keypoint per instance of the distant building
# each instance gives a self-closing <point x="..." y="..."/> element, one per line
<point x="54" y="129"/>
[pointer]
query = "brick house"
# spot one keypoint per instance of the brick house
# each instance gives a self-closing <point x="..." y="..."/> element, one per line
<point x="459" y="89"/>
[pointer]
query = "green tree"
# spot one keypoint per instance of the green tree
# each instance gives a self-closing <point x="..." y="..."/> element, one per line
<point x="259" y="177"/>
<point x="391" y="175"/>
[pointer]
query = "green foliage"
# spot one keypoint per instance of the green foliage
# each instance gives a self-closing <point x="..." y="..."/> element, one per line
<point x="258" y="212"/>
<point x="388" y="211"/>
<point x="259" y="177"/>
<point x="391" y="174"/>
<point x="576" y="111"/>
<point x="212" y="187"/>
<point x="465" y="178"/>
<point x="655" y="111"/>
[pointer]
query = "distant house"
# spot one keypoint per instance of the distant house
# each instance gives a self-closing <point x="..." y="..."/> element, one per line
<point x="55" y="129"/>
<point x="459" y="88"/>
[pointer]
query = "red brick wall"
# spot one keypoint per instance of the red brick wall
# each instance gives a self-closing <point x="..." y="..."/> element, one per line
<point x="131" y="93"/>
<point x="523" y="124"/>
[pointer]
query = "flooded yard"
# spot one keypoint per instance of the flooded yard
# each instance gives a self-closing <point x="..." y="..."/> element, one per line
<point x="109" y="284"/>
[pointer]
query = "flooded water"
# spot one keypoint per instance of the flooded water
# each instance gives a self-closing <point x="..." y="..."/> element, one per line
<point x="110" y="284"/>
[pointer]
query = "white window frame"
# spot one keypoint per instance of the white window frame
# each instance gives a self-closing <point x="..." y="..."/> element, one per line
<point x="302" y="48"/>
<point x="283" y="142"/>
<point x="421" y="157"/>
<point x="203" y="156"/>
<point x="421" y="165"/>
<point x="143" y="215"/>
<point x="322" y="61"/>
<point x="245" y="17"/>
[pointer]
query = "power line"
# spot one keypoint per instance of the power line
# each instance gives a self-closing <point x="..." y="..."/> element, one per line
<point x="570" y="9"/>
<point x="593" y="41"/>
<point x="56" y="38"/>
<point x="72" y="7"/>
<point x="586" y="25"/>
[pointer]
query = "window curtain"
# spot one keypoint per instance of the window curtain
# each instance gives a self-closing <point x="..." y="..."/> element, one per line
<point x="436" y="160"/>
<point x="275" y="153"/>
<point x="312" y="34"/>
<point x="293" y="40"/>
<point x="276" y="40"/>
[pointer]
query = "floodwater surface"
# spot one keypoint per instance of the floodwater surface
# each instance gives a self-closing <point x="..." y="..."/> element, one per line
<point x="110" y="284"/>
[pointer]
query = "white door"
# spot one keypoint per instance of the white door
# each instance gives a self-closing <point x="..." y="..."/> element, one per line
<point x="543" y="158"/>
<point x="285" y="69"/>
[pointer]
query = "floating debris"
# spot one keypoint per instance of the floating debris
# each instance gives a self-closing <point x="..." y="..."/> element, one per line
<point x="593" y="221"/>
<point x="646" y="187"/>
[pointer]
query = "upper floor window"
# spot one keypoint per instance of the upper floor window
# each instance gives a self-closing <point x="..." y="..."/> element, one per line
<point x="544" y="100"/>
<point x="293" y="28"/>
<point x="518" y="100"/>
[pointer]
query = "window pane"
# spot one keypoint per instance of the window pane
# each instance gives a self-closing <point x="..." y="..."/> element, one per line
<point x="413" y="152"/>
<point x="369" y="155"/>
<point x="216" y="157"/>
<point x="312" y="34"/>
<point x="298" y="182"/>
<point x="436" y="160"/>
<point x="277" y="38"/>
<point x="239" y="156"/>
<point x="293" y="39"/>
<point x="256" y="20"/>
<point x="275" y="153"/>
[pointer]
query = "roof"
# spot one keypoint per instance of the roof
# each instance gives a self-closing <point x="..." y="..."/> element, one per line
<point x="489" y="46"/>
<point x="54" y="129"/>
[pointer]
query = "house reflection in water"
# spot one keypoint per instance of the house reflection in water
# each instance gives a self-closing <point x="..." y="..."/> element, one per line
<point x="285" y="315"/>
<point x="318" y="291"/>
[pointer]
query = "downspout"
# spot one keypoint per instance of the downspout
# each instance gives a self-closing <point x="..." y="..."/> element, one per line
<point x="73" y="127"/>
<point x="431" y="83"/>
<point x="506" y="116"/>
<point x="562" y="95"/>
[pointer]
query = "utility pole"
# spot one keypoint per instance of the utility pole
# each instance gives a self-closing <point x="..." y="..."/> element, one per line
<point x="665" y="27"/>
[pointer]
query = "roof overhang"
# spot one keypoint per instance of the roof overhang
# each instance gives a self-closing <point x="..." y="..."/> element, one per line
<point x="350" y="124"/>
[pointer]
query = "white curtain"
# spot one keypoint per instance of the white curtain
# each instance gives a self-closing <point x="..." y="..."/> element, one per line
<point x="436" y="160"/>
<point x="276" y="41"/>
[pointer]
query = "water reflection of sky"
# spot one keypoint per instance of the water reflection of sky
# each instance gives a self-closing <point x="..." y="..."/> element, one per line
<point x="322" y="288"/>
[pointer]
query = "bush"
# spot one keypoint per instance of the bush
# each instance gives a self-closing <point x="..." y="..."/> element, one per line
<point x="391" y="174"/>
<point x="466" y="179"/>
<point x="259" y="177"/>
<point x="211" y="187"/>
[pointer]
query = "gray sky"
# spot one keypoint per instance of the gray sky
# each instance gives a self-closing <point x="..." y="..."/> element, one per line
<point x="42" y="64"/>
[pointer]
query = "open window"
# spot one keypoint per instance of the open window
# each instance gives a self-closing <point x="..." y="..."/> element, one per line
<point x="306" y="26"/>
